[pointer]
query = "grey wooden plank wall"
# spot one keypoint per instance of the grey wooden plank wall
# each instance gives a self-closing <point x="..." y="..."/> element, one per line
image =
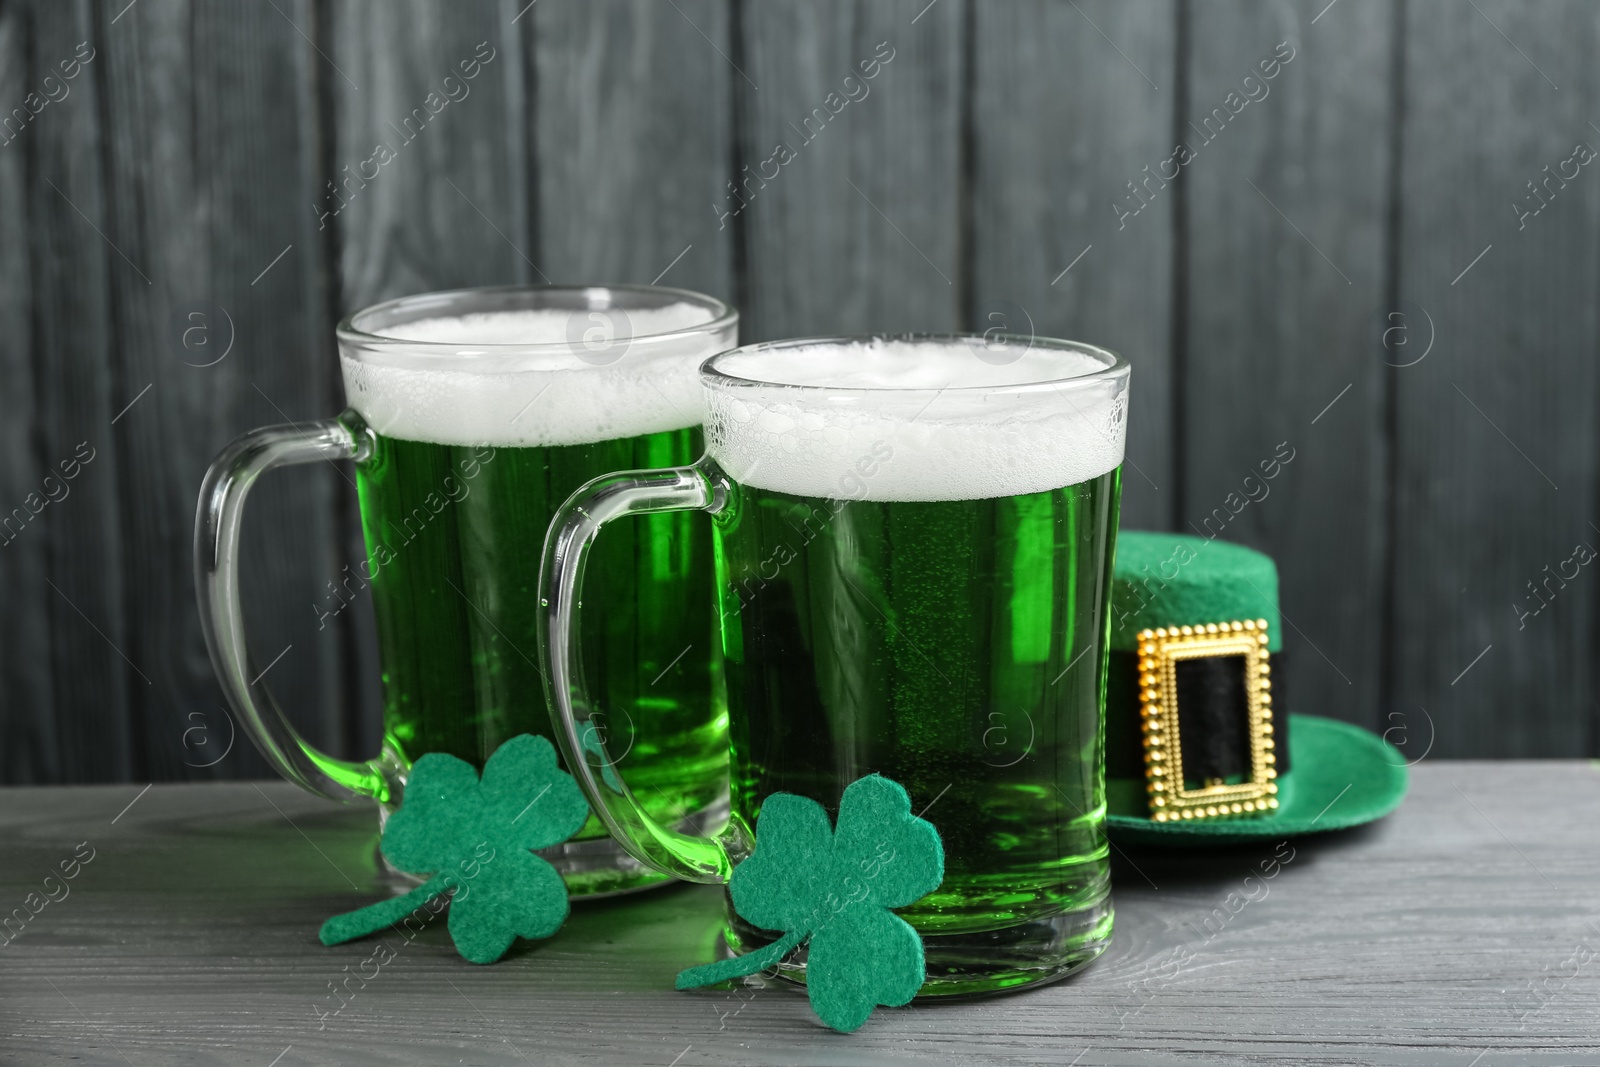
<point x="173" y="258"/>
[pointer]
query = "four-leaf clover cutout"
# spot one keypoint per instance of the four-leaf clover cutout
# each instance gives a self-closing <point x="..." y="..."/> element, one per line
<point x="474" y="836"/>
<point x="835" y="886"/>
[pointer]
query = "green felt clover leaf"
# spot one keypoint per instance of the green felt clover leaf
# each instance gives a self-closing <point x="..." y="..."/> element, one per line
<point x="473" y="836"/>
<point x="834" y="886"/>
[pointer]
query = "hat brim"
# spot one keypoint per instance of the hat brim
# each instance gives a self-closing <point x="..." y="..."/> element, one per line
<point x="1342" y="776"/>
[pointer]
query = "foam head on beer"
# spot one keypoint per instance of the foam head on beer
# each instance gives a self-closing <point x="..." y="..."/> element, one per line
<point x="930" y="419"/>
<point x="533" y="377"/>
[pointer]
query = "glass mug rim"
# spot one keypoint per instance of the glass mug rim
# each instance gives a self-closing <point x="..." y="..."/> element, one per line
<point x="356" y="332"/>
<point x="1112" y="365"/>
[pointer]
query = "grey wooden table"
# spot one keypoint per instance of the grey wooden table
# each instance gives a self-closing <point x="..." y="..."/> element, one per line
<point x="1464" y="929"/>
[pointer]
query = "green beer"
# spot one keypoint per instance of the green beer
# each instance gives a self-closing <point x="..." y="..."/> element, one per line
<point x="914" y="542"/>
<point x="454" y="535"/>
<point x="481" y="412"/>
<point x="954" y="646"/>
<point x="913" y="572"/>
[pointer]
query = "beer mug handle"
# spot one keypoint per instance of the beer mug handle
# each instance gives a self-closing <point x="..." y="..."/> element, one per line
<point x="582" y="739"/>
<point x="216" y="565"/>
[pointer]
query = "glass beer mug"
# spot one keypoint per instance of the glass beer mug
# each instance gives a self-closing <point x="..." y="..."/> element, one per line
<point x="473" y="415"/>
<point x="914" y="542"/>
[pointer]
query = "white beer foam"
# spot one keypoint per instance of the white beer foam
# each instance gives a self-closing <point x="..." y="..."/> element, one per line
<point x="506" y="397"/>
<point x="962" y="443"/>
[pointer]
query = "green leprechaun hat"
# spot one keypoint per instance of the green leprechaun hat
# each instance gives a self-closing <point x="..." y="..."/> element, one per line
<point x="1200" y="746"/>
